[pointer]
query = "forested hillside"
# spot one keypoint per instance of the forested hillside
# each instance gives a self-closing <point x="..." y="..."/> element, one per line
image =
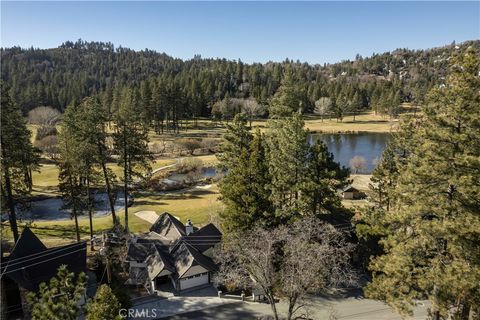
<point x="64" y="75"/>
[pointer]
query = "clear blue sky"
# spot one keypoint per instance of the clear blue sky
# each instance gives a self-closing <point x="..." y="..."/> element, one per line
<point x="315" y="32"/>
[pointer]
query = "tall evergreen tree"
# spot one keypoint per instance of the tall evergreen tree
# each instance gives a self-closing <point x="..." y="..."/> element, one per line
<point x="288" y="151"/>
<point x="71" y="166"/>
<point x="433" y="226"/>
<point x="91" y="134"/>
<point x="18" y="156"/>
<point x="244" y="190"/>
<point x="287" y="99"/>
<point x="235" y="141"/>
<point x="356" y="104"/>
<point x="131" y="142"/>
<point x="324" y="178"/>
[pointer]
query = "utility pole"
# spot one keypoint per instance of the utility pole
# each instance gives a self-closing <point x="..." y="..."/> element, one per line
<point x="104" y="252"/>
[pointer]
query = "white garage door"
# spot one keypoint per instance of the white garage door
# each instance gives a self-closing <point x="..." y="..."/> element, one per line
<point x="193" y="281"/>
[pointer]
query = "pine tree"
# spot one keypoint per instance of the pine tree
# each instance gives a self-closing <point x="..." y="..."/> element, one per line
<point x="18" y="156"/>
<point x="234" y="142"/>
<point x="433" y="227"/>
<point x="288" y="151"/>
<point x="131" y="142"/>
<point x="59" y="299"/>
<point x="287" y="99"/>
<point x="70" y="165"/>
<point x="91" y="134"/>
<point x="324" y="177"/>
<point x="384" y="178"/>
<point x="356" y="104"/>
<point x="104" y="306"/>
<point x="341" y="104"/>
<point x="244" y="190"/>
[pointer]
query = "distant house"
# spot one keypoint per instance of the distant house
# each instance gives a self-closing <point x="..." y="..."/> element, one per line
<point x="173" y="253"/>
<point x="351" y="193"/>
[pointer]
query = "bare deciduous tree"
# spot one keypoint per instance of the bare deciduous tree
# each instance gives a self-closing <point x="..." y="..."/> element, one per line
<point x="358" y="164"/>
<point x="190" y="145"/>
<point x="210" y="144"/>
<point x="44" y="116"/>
<point x="323" y="106"/>
<point x="248" y="259"/>
<point x="287" y="262"/>
<point x="49" y="145"/>
<point x="158" y="147"/>
<point x="252" y="109"/>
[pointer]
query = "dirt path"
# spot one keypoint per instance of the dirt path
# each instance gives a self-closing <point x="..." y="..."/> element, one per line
<point x="165" y="167"/>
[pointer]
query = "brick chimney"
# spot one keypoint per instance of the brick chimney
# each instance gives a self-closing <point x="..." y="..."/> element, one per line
<point x="188" y="227"/>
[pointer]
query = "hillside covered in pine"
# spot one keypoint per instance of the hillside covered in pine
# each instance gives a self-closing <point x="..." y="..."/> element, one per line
<point x="65" y="75"/>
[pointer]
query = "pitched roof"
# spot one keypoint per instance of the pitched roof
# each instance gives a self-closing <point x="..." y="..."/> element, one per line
<point x="31" y="263"/>
<point x="139" y="251"/>
<point x="28" y="243"/>
<point x="158" y="262"/>
<point x="204" y="238"/>
<point x="168" y="226"/>
<point x="187" y="256"/>
<point x="137" y="276"/>
<point x="176" y="255"/>
<point x="350" y="189"/>
<point x="154" y="253"/>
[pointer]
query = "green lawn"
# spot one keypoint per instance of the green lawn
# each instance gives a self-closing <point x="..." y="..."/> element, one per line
<point x="198" y="204"/>
<point x="47" y="176"/>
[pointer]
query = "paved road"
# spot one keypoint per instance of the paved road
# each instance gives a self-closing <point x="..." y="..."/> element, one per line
<point x="204" y="304"/>
<point x="342" y="309"/>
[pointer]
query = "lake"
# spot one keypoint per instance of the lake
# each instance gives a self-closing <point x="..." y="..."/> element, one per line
<point x="344" y="147"/>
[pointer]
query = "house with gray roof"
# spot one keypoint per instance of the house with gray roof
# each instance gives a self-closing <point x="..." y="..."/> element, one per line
<point x="173" y="253"/>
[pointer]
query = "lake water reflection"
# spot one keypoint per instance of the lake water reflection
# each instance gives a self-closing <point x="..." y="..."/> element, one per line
<point x="344" y="147"/>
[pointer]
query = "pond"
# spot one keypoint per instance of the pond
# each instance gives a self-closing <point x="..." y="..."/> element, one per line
<point x="344" y="147"/>
<point x="206" y="172"/>
<point x="51" y="208"/>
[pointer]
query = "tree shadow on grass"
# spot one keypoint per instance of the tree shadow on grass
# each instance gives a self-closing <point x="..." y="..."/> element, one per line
<point x="56" y="230"/>
<point x="366" y="121"/>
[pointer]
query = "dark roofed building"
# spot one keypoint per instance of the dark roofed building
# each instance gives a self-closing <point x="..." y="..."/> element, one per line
<point x="168" y="226"/>
<point x="174" y="253"/>
<point x="209" y="236"/>
<point x="31" y="263"/>
<point x="193" y="268"/>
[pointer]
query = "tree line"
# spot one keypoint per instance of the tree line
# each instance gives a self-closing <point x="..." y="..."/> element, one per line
<point x="65" y="75"/>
